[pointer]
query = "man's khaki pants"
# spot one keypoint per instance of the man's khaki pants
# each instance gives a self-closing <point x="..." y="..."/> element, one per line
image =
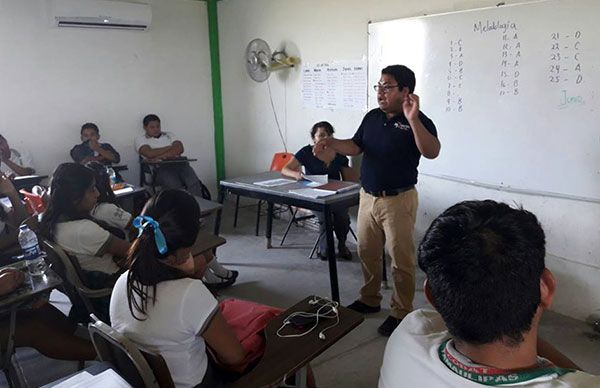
<point x="389" y="222"/>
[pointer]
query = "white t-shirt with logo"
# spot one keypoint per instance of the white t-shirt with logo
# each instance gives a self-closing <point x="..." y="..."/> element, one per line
<point x="112" y="214"/>
<point x="165" y="140"/>
<point x="21" y="158"/>
<point x="87" y="241"/>
<point x="412" y="359"/>
<point x="183" y="309"/>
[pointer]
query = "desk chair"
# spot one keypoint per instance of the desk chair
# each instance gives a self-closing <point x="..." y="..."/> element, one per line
<point x="147" y="175"/>
<point x="295" y="219"/>
<point x="279" y="161"/>
<point x="69" y="270"/>
<point x="140" y="367"/>
<point x="284" y="357"/>
<point x="34" y="202"/>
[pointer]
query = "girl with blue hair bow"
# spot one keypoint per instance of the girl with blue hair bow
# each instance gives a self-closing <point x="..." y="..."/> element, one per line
<point x="161" y="303"/>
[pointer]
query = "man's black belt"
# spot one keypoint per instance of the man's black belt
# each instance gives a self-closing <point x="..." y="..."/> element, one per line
<point x="390" y="192"/>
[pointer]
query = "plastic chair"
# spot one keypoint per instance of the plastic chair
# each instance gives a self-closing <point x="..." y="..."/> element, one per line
<point x="139" y="366"/>
<point x="147" y="175"/>
<point x="34" y="202"/>
<point x="280" y="159"/>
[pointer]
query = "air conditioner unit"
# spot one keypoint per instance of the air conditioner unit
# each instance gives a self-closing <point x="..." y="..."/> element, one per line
<point x="126" y="15"/>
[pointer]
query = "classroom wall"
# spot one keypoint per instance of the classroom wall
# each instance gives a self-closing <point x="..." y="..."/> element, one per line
<point x="55" y="79"/>
<point x="327" y="30"/>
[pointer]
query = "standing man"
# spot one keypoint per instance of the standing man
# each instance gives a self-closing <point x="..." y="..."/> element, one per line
<point x="156" y="145"/>
<point x="392" y="138"/>
<point x="13" y="162"/>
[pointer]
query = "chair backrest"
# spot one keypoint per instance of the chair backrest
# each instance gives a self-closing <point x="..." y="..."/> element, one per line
<point x="140" y="367"/>
<point x="35" y="202"/>
<point x="69" y="270"/>
<point x="279" y="161"/>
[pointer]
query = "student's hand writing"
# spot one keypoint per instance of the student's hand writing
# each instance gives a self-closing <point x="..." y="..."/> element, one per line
<point x="10" y="279"/>
<point x="410" y="106"/>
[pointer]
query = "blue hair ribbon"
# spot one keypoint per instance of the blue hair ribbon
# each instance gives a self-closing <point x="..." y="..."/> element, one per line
<point x="142" y="222"/>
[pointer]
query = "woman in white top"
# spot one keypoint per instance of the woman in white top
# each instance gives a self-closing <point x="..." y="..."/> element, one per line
<point x="161" y="302"/>
<point x="67" y="221"/>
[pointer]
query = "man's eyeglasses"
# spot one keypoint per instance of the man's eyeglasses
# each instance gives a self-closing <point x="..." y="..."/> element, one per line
<point x="384" y="88"/>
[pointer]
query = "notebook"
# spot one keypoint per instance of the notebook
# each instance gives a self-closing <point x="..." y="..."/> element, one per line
<point x="338" y="186"/>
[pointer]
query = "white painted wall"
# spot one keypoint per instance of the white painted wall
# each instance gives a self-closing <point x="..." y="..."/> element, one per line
<point x="53" y="80"/>
<point x="326" y="30"/>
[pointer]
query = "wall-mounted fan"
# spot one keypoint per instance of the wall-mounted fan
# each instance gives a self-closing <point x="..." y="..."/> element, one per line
<point x="260" y="61"/>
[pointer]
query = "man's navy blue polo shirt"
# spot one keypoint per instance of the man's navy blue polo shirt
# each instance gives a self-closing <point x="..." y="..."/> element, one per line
<point x="390" y="154"/>
<point x="315" y="166"/>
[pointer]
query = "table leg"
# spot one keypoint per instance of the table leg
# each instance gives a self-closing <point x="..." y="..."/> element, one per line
<point x="333" y="278"/>
<point x="220" y="211"/>
<point x="269" y="224"/>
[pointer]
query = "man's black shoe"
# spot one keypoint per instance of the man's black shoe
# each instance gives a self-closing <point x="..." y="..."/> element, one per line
<point x="363" y="308"/>
<point x="388" y="326"/>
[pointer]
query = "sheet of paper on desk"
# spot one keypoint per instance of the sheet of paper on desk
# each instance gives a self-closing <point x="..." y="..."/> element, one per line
<point x="320" y="179"/>
<point x="108" y="378"/>
<point x="274" y="182"/>
<point x="80" y="377"/>
<point x="312" y="193"/>
<point x="124" y="190"/>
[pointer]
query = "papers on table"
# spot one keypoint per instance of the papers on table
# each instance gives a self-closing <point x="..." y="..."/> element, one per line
<point x="312" y="193"/>
<point x="126" y="189"/>
<point x="108" y="378"/>
<point x="319" y="179"/>
<point x="274" y="182"/>
<point x="316" y="190"/>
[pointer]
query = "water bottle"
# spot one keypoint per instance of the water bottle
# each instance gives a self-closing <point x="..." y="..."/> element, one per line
<point x="29" y="243"/>
<point x="113" y="176"/>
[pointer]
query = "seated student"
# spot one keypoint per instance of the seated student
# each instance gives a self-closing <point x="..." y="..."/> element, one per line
<point x="10" y="217"/>
<point x="13" y="162"/>
<point x="42" y="326"/>
<point x="106" y="210"/>
<point x="67" y="221"/>
<point x="91" y="149"/>
<point x="161" y="303"/>
<point x="335" y="167"/>
<point x="488" y="283"/>
<point x="157" y="145"/>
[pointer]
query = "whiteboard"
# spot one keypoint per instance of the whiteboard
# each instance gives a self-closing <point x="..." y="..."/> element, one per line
<point x="512" y="90"/>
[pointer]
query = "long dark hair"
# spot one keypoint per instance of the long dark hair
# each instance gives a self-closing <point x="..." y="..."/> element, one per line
<point x="102" y="182"/>
<point x="178" y="216"/>
<point x="70" y="181"/>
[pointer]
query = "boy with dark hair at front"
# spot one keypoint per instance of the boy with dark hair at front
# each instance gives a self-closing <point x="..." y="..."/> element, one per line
<point x="488" y="283"/>
<point x="91" y="150"/>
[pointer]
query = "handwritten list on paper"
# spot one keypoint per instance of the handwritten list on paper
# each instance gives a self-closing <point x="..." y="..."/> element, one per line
<point x="335" y="86"/>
